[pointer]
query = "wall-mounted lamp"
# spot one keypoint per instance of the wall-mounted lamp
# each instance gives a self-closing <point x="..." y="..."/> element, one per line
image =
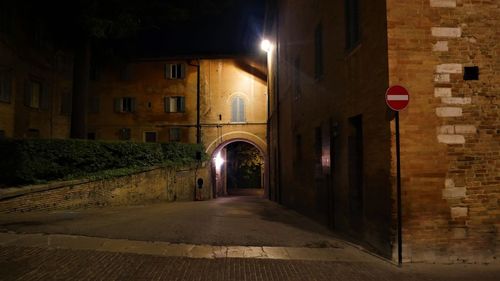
<point x="266" y="45"/>
<point x="218" y="160"/>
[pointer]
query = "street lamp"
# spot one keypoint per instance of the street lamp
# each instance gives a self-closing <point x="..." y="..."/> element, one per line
<point x="266" y="45"/>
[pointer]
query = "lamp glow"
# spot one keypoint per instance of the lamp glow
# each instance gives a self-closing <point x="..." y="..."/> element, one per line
<point x="218" y="161"/>
<point x="266" y="45"/>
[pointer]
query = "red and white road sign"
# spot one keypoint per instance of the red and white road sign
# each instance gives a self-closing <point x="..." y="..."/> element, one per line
<point x="397" y="97"/>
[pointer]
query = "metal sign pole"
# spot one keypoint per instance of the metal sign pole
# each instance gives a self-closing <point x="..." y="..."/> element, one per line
<point x="398" y="182"/>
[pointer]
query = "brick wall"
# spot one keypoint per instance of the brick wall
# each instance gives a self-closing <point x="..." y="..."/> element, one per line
<point x="315" y="112"/>
<point x="156" y="185"/>
<point x="450" y="132"/>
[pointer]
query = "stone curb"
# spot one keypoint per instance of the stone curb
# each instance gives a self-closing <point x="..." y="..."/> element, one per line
<point x="156" y="248"/>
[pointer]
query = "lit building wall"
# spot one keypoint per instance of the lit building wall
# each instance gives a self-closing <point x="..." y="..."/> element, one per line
<point x="144" y="85"/>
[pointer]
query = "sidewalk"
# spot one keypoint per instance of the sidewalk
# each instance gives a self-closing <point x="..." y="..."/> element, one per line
<point x="165" y="249"/>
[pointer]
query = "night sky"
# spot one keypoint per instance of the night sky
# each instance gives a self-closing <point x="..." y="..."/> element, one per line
<point x="235" y="30"/>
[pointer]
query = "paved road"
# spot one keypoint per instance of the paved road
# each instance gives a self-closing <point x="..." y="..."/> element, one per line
<point x="142" y="243"/>
<point x="237" y="220"/>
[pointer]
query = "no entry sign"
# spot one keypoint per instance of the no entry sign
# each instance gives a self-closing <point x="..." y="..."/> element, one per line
<point x="397" y="97"/>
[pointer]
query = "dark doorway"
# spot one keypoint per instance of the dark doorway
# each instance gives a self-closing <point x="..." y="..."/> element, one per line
<point x="245" y="164"/>
<point x="355" y="142"/>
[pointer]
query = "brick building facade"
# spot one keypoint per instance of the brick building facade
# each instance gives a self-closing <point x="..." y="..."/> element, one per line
<point x="332" y="149"/>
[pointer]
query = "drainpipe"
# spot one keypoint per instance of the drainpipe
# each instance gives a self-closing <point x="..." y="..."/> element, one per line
<point x="198" y="126"/>
<point x="278" y="100"/>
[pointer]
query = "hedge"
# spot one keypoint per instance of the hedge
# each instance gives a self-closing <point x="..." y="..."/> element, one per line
<point x="39" y="160"/>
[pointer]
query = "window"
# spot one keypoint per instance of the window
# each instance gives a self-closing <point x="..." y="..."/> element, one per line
<point x="33" y="133"/>
<point x="126" y="104"/>
<point x="297" y="155"/>
<point x="94" y="105"/>
<point x="95" y="72"/>
<point x="126" y="73"/>
<point x="318" y="51"/>
<point x="36" y="95"/>
<point x="238" y="110"/>
<point x="36" y="91"/>
<point x="175" y="134"/>
<point x="296" y="78"/>
<point x="175" y="104"/>
<point x="124" y="134"/>
<point x="175" y="71"/>
<point x="318" y="149"/>
<point x="6" y="17"/>
<point x="352" y="23"/>
<point x="471" y="73"/>
<point x="5" y="86"/>
<point x="150" y="136"/>
<point x="66" y="103"/>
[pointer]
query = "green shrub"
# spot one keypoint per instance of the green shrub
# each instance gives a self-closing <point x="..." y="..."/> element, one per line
<point x="33" y="161"/>
<point x="181" y="153"/>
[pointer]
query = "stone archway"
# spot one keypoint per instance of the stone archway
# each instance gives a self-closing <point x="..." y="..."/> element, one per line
<point x="218" y="168"/>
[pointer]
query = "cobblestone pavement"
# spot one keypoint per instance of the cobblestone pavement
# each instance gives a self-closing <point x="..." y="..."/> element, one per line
<point x="31" y="263"/>
<point x="235" y="220"/>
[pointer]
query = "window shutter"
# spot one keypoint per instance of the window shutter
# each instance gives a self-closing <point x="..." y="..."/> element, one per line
<point x="234" y="110"/>
<point x="5" y="86"/>
<point x="8" y="86"/>
<point x="27" y="93"/>
<point x="166" y="104"/>
<point x="94" y="105"/>
<point x="65" y="103"/>
<point x="118" y="105"/>
<point x="45" y="98"/>
<point x="241" y="110"/>
<point x="168" y="71"/>
<point x="132" y="104"/>
<point x="182" y="104"/>
<point x="183" y="70"/>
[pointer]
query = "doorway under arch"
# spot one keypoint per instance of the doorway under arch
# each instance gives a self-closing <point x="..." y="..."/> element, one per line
<point x="238" y="168"/>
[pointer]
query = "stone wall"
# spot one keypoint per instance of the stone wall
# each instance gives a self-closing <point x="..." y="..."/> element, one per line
<point x="155" y="185"/>
<point x="450" y="132"/>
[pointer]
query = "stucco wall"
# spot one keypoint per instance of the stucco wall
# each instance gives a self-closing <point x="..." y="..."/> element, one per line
<point x="26" y="60"/>
<point x="220" y="81"/>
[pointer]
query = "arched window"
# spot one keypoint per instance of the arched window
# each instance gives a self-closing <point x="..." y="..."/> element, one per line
<point x="238" y="110"/>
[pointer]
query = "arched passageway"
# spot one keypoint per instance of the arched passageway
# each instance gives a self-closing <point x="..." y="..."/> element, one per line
<point x="238" y="168"/>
